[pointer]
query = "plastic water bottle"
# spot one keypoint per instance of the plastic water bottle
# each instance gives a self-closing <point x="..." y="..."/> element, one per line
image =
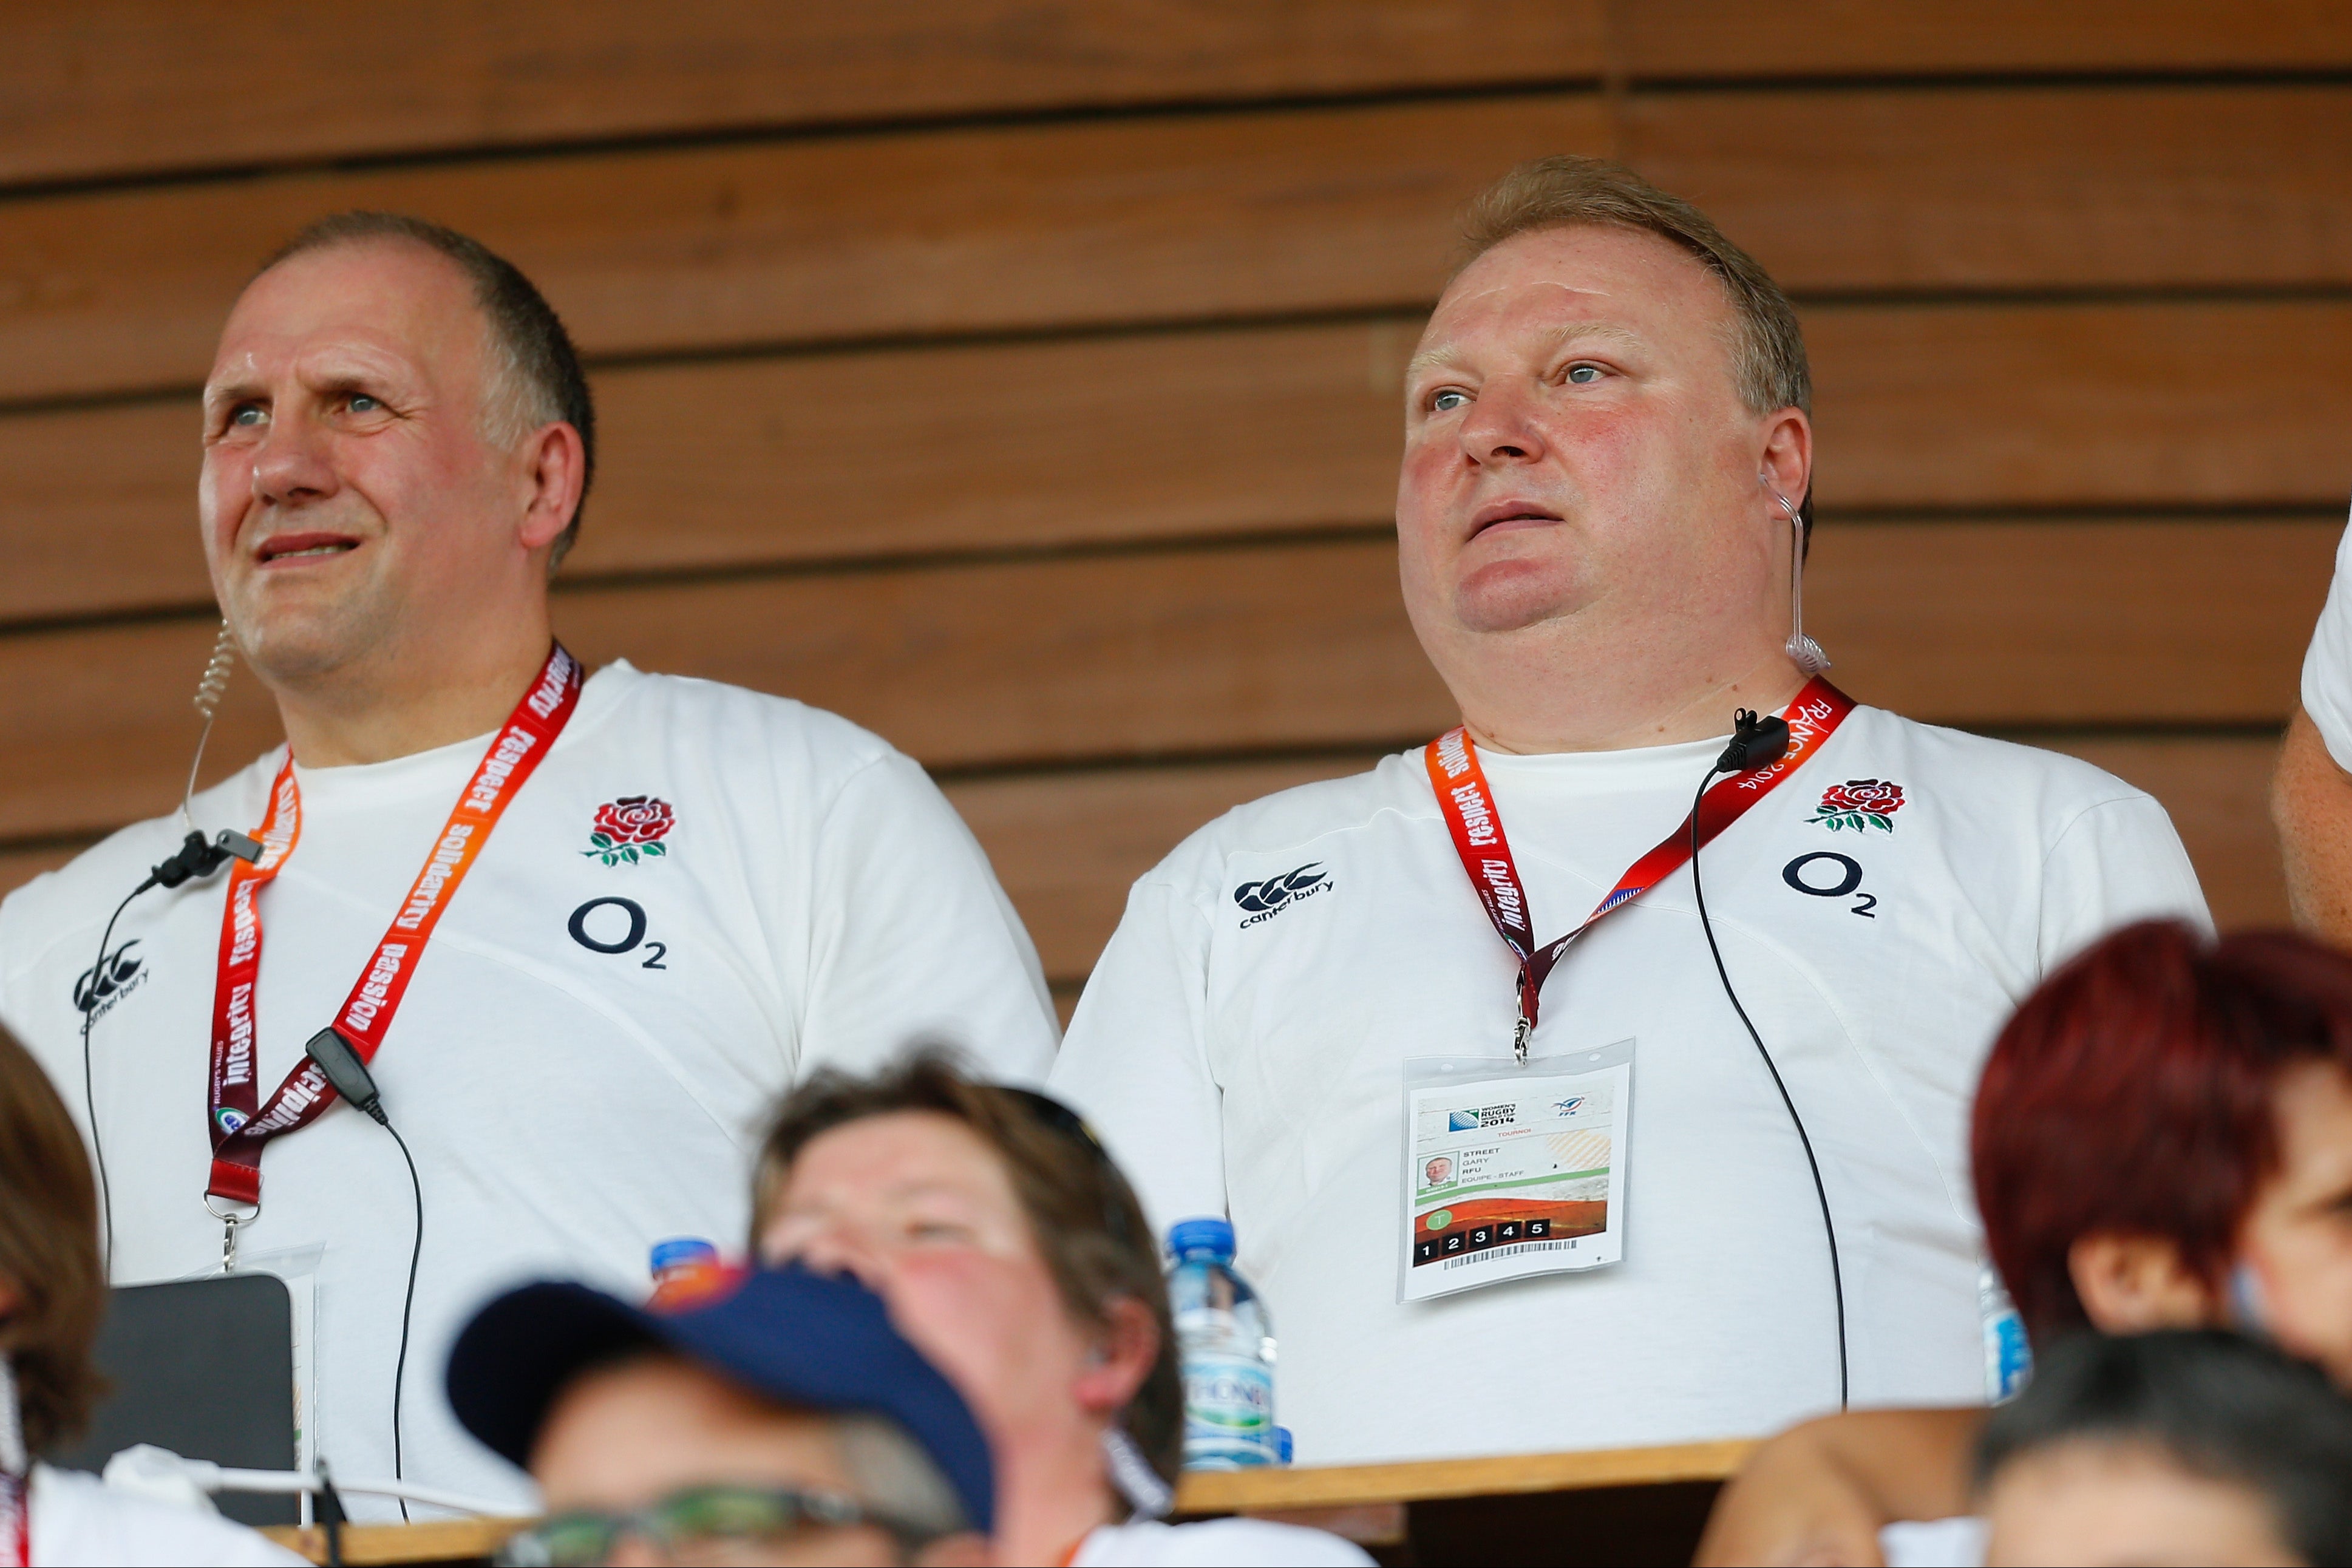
<point x="2009" y="1360"/>
<point x="1227" y="1350"/>
<point x="683" y="1268"/>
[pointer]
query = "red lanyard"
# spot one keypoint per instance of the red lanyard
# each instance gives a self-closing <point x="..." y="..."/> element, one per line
<point x="240" y="1125"/>
<point x="1476" y="823"/>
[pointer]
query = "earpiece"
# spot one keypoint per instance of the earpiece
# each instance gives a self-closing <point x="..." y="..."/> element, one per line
<point x="1802" y="650"/>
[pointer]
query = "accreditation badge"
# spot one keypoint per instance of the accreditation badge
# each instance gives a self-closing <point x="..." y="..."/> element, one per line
<point x="1512" y="1169"/>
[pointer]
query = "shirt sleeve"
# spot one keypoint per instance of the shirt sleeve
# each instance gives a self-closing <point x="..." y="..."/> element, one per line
<point x="1135" y="1063"/>
<point x="914" y="940"/>
<point x="2117" y="862"/>
<point x="2328" y="665"/>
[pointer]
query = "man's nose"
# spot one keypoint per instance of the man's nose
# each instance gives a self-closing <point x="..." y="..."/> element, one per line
<point x="1501" y="428"/>
<point x="292" y="465"/>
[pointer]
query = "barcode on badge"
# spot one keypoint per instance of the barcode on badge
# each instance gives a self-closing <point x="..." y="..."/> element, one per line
<point x="1513" y="1251"/>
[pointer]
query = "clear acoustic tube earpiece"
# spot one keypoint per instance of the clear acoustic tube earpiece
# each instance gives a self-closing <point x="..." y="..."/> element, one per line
<point x="1806" y="653"/>
<point x="209" y="692"/>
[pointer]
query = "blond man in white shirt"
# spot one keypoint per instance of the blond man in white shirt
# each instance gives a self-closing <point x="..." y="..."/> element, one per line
<point x="633" y="908"/>
<point x="1608" y="454"/>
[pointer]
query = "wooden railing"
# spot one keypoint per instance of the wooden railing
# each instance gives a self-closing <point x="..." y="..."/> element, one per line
<point x="1373" y="1504"/>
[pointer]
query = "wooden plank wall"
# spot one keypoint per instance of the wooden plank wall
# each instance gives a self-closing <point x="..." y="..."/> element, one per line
<point x="1019" y="376"/>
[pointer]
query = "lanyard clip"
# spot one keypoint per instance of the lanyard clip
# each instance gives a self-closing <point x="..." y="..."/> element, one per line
<point x="237" y="1214"/>
<point x="1519" y="1038"/>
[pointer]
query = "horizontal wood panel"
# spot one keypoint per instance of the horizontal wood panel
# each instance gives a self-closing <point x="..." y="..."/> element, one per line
<point x="106" y="87"/>
<point x="2158" y="404"/>
<point x="1736" y="38"/>
<point x="101" y="511"/>
<point x="2015" y="187"/>
<point x="1337" y="209"/>
<point x="2023" y="622"/>
<point x="113" y="86"/>
<point x="994" y="446"/>
<point x="836" y="237"/>
<point x="1296" y="647"/>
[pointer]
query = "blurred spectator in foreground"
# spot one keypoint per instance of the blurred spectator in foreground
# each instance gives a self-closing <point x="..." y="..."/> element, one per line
<point x="52" y="1295"/>
<point x="2163" y="1140"/>
<point x="780" y="1420"/>
<point x="2169" y="1448"/>
<point x="1014" y="1253"/>
<point x="2311" y="795"/>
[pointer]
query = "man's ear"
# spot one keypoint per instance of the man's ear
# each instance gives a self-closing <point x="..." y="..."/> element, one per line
<point x="2132" y="1284"/>
<point x="555" y="474"/>
<point x="1786" y="464"/>
<point x="1122" y="1357"/>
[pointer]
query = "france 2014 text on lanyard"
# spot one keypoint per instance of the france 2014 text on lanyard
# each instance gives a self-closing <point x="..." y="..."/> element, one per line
<point x="1515" y="1166"/>
<point x="240" y="1125"/>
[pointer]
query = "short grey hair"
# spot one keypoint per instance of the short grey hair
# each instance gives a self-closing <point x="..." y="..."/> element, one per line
<point x="536" y="376"/>
<point x="1767" y="353"/>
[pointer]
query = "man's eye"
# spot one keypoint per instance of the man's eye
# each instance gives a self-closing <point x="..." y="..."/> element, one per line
<point x="1448" y="401"/>
<point x="244" y="417"/>
<point x="362" y="403"/>
<point x="1583" y="375"/>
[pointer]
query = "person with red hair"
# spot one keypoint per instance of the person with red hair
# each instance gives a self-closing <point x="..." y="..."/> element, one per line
<point x="2162" y="1139"/>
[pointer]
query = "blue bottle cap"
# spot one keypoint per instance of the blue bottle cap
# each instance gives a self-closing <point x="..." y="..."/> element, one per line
<point x="1210" y="1234"/>
<point x="682" y="1249"/>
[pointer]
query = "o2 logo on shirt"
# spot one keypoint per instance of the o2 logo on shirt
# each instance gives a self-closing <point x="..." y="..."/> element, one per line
<point x="1267" y="899"/>
<point x="1806" y="873"/>
<point x="615" y="926"/>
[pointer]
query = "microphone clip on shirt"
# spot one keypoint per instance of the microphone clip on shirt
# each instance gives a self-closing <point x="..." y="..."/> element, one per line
<point x="194" y="858"/>
<point x="1755" y="743"/>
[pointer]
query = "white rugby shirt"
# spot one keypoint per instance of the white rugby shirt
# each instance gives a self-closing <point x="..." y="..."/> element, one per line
<point x="1251" y="1063"/>
<point x="818" y="904"/>
<point x="2327" y="663"/>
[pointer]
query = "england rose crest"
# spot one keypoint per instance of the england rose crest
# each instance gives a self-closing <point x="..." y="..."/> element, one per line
<point x="630" y="829"/>
<point x="1859" y="803"/>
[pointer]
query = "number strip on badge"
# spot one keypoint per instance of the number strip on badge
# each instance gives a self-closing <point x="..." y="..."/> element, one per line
<point x="1475" y="823"/>
<point x="240" y="1125"/>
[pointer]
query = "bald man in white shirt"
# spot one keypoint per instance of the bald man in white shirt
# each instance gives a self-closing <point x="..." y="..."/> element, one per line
<point x="634" y="908"/>
<point x="1622" y="1240"/>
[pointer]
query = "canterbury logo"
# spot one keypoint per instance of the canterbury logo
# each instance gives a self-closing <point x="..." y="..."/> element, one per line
<point x="1270" y="896"/>
<point x="98" y="986"/>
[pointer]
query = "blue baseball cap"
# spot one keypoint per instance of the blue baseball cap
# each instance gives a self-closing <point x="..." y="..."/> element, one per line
<point x="816" y="1341"/>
